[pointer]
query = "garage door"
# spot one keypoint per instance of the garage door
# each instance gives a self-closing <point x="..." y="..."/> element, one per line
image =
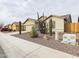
<point x="29" y="28"/>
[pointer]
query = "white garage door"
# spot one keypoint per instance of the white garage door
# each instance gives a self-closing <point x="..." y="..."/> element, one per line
<point x="28" y="28"/>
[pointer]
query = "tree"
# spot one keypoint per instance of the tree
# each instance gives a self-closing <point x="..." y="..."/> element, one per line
<point x="50" y="27"/>
<point x="34" y="32"/>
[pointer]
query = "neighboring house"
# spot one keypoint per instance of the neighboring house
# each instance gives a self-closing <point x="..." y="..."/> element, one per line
<point x="6" y="26"/>
<point x="58" y="23"/>
<point x="28" y="24"/>
<point x="10" y="26"/>
<point x="15" y="26"/>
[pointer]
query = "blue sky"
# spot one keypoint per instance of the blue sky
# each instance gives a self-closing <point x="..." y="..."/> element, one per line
<point x="12" y="10"/>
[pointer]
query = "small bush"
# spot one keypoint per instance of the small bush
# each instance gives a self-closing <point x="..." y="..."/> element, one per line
<point x="34" y="32"/>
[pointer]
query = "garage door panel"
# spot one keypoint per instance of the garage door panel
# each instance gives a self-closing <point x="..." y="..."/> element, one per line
<point x="28" y="28"/>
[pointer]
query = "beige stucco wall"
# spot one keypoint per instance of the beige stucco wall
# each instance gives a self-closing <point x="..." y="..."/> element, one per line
<point x="59" y="24"/>
<point x="28" y="25"/>
<point x="14" y="28"/>
<point x="10" y="26"/>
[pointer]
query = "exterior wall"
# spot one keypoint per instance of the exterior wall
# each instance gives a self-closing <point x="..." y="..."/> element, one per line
<point x="14" y="28"/>
<point x="59" y="24"/>
<point x="28" y="25"/>
<point x="9" y="26"/>
<point x="22" y="27"/>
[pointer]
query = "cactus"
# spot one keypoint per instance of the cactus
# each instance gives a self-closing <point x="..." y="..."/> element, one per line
<point x="50" y="27"/>
<point x="42" y="27"/>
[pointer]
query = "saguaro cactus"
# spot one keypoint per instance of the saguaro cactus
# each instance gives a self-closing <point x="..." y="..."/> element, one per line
<point x="42" y="27"/>
<point x="20" y="27"/>
<point x="50" y="27"/>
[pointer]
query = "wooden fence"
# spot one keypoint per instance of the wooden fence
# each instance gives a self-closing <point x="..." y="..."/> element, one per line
<point x="71" y="27"/>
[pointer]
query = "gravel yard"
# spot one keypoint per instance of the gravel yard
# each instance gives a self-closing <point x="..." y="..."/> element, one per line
<point x="52" y="43"/>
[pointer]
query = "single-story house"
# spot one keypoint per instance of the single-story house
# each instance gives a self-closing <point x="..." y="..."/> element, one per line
<point x="58" y="23"/>
<point x="10" y="26"/>
<point x="28" y="24"/>
<point x="15" y="26"/>
<point x="6" y="26"/>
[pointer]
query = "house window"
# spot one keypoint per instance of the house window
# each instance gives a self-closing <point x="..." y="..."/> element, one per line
<point x="53" y="24"/>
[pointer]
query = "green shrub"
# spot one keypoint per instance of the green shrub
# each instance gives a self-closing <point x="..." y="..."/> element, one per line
<point x="34" y="32"/>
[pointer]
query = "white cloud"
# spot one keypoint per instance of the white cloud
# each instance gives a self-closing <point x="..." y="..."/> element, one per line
<point x="12" y="10"/>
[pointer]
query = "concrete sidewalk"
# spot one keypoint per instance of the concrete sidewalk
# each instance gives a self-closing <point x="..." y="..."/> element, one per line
<point x="19" y="48"/>
<point x="17" y="32"/>
<point x="2" y="54"/>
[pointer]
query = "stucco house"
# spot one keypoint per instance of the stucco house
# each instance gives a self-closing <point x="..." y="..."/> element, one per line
<point x="58" y="23"/>
<point x="10" y="26"/>
<point x="6" y="26"/>
<point x="15" y="26"/>
<point x="28" y="24"/>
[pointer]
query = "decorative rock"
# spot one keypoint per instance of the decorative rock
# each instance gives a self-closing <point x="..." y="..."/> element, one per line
<point x="46" y="37"/>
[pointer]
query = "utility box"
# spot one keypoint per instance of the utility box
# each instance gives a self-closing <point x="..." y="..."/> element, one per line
<point x="69" y="39"/>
